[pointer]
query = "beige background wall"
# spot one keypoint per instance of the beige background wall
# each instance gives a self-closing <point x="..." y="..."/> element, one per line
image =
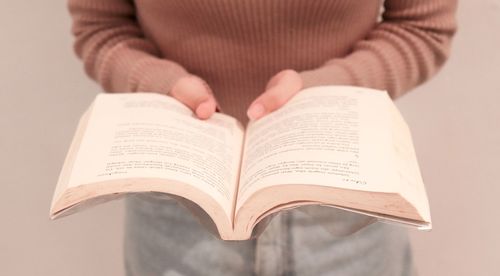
<point x="455" y="119"/>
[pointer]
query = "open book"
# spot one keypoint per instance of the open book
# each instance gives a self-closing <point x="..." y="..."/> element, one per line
<point x="338" y="146"/>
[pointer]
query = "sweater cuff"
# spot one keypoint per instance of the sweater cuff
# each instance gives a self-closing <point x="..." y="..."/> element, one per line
<point x="153" y="74"/>
<point x="134" y="66"/>
<point x="331" y="73"/>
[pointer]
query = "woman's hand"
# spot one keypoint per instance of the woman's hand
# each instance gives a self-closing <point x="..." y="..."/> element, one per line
<point x="280" y="88"/>
<point x="195" y="93"/>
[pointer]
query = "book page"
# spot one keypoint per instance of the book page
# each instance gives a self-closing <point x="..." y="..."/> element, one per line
<point x="335" y="136"/>
<point x="148" y="135"/>
<point x="409" y="178"/>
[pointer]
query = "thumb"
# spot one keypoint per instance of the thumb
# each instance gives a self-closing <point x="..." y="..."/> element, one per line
<point x="195" y="93"/>
<point x="282" y="87"/>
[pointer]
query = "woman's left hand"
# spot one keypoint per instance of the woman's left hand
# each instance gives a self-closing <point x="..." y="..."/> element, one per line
<point x="280" y="88"/>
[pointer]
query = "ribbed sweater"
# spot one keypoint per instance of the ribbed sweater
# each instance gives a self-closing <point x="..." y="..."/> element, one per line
<point x="237" y="46"/>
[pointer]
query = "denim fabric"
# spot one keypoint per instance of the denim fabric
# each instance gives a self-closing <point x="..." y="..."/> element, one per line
<point x="162" y="238"/>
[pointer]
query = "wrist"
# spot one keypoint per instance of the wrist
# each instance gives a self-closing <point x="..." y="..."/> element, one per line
<point x="155" y="75"/>
<point x="326" y="75"/>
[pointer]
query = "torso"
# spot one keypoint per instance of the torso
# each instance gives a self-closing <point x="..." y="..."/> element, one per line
<point x="236" y="46"/>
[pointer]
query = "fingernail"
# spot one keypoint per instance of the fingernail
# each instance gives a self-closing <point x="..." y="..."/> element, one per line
<point x="205" y="110"/>
<point x="255" y="111"/>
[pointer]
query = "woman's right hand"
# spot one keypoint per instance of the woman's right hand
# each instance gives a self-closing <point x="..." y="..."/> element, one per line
<point x="195" y="93"/>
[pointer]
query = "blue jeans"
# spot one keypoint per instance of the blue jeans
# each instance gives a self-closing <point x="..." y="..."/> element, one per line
<point x="163" y="238"/>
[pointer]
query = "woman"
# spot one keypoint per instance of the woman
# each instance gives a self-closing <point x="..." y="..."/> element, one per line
<point x="249" y="57"/>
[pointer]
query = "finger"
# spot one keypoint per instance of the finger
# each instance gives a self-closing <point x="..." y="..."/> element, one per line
<point x="217" y="105"/>
<point x="285" y="86"/>
<point x="276" y="78"/>
<point x="206" y="108"/>
<point x="196" y="94"/>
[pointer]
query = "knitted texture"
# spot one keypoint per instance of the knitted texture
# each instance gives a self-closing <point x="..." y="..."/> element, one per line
<point x="237" y="46"/>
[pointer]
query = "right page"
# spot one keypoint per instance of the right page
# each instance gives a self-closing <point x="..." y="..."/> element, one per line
<point x="336" y="136"/>
<point x="409" y="179"/>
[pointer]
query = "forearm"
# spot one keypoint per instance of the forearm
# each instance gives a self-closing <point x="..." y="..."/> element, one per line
<point x="115" y="51"/>
<point x="406" y="48"/>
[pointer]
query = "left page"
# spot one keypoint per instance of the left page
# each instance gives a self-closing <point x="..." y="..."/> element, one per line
<point x="148" y="135"/>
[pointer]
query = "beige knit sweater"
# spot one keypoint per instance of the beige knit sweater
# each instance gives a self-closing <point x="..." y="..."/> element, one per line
<point x="237" y="45"/>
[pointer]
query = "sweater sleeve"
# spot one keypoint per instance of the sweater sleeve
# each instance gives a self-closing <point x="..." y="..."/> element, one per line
<point x="407" y="47"/>
<point x="114" y="50"/>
